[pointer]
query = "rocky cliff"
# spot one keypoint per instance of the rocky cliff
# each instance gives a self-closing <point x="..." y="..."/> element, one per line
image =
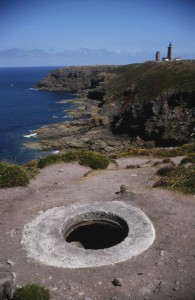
<point x="167" y="120"/>
<point x="75" y="79"/>
<point x="155" y="101"/>
<point x="151" y="103"/>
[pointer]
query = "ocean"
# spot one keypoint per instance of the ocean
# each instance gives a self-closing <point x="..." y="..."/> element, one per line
<point x="24" y="108"/>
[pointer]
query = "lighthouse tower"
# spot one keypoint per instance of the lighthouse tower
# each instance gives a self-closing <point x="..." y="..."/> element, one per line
<point x="170" y="52"/>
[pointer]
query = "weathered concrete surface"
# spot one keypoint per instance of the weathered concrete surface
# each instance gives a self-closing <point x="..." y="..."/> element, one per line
<point x="44" y="241"/>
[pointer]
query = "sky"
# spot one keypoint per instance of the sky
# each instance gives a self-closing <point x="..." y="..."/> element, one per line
<point x="84" y="32"/>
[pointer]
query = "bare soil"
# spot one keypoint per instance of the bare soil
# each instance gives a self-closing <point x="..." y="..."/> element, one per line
<point x="165" y="271"/>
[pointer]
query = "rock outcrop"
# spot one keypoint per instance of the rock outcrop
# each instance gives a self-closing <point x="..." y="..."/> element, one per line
<point x="149" y="104"/>
<point x="75" y="79"/>
<point x="7" y="285"/>
<point x="168" y="120"/>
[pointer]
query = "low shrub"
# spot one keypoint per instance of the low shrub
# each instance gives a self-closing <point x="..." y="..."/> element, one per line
<point x="181" y="178"/>
<point x="159" y="152"/>
<point x="188" y="148"/>
<point x="166" y="160"/>
<point x="176" y="151"/>
<point x="160" y="183"/>
<point x="164" y="171"/>
<point x="69" y="157"/>
<point x="31" y="168"/>
<point x="3" y="167"/>
<point x="165" y="152"/>
<point x="12" y="176"/>
<point x="32" y="292"/>
<point x="156" y="163"/>
<point x="190" y="158"/>
<point x="94" y="160"/>
<point x="134" y="151"/>
<point x="133" y="166"/>
<point x="49" y="160"/>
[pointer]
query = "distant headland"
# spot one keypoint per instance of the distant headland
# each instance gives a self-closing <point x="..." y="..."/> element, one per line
<point x="143" y="104"/>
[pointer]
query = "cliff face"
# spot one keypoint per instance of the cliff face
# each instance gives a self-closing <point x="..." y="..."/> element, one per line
<point x="153" y="103"/>
<point x="168" y="120"/>
<point x="75" y="79"/>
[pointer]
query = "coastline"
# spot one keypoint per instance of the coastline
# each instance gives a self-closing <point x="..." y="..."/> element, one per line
<point x="89" y="130"/>
<point x="120" y="107"/>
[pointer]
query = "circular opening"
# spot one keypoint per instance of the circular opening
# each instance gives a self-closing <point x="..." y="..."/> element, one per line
<point x="99" y="232"/>
<point x="49" y="236"/>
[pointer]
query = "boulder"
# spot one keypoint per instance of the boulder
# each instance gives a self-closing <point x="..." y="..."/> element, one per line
<point x="7" y="285"/>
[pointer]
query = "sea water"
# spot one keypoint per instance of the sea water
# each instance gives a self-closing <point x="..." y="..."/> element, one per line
<point x="24" y="108"/>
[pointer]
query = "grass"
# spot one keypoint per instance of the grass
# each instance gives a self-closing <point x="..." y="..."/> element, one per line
<point x="148" y="80"/>
<point x="190" y="158"/>
<point x="165" y="171"/>
<point x="178" y="178"/>
<point x="181" y="179"/>
<point x="165" y="153"/>
<point x="94" y="160"/>
<point x="12" y="175"/>
<point x="32" y="292"/>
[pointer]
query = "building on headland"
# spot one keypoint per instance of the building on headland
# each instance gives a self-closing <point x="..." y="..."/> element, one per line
<point x="169" y="56"/>
<point x="157" y="55"/>
<point x="170" y="52"/>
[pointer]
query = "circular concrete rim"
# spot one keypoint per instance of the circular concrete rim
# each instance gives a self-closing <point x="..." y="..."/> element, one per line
<point x="44" y="241"/>
<point x="99" y="218"/>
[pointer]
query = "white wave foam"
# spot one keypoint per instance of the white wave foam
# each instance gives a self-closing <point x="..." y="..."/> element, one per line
<point x="30" y="135"/>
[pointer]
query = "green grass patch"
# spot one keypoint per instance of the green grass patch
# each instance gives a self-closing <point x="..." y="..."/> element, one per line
<point x="150" y="79"/>
<point x="32" y="292"/>
<point x="158" y="152"/>
<point x="12" y="175"/>
<point x="134" y="151"/>
<point x="190" y="158"/>
<point x="31" y="168"/>
<point x="49" y="160"/>
<point x="94" y="160"/>
<point x="180" y="178"/>
<point x="57" y="158"/>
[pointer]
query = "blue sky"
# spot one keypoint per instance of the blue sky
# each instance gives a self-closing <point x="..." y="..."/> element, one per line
<point x="79" y="32"/>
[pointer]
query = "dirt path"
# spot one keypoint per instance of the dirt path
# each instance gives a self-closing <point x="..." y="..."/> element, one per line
<point x="164" y="271"/>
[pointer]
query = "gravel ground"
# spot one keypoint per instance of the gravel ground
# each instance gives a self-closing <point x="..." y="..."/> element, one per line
<point x="164" y="271"/>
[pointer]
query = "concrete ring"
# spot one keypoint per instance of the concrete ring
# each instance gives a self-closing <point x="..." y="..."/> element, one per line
<point x="45" y="237"/>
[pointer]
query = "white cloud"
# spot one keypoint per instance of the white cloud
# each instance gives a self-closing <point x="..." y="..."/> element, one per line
<point x="81" y="56"/>
<point x="18" y="52"/>
<point x="67" y="52"/>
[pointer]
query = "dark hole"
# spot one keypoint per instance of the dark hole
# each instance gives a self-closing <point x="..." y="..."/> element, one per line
<point x="98" y="234"/>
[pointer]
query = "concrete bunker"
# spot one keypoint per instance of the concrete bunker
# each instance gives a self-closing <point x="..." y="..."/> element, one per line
<point x="88" y="235"/>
